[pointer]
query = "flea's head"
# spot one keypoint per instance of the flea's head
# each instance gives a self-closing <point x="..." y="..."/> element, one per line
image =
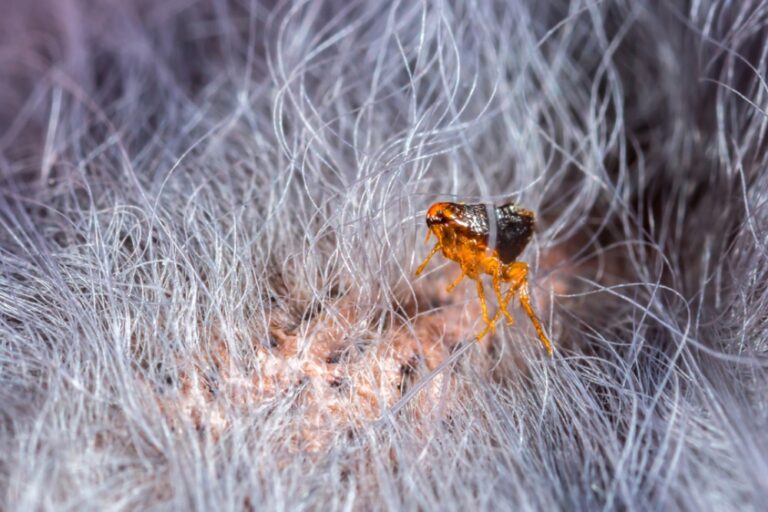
<point x="509" y="231"/>
<point x="440" y="214"/>
<point x="458" y="223"/>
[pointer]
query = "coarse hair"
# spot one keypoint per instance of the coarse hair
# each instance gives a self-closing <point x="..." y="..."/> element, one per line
<point x="211" y="212"/>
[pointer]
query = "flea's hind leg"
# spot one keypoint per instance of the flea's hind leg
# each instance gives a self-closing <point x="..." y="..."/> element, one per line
<point x="503" y="301"/>
<point x="429" y="257"/>
<point x="525" y="301"/>
<point x="488" y="324"/>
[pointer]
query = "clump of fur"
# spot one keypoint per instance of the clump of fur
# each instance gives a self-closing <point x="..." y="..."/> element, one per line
<point x="210" y="215"/>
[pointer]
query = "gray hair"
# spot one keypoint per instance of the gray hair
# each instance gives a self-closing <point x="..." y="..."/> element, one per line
<point x="211" y="213"/>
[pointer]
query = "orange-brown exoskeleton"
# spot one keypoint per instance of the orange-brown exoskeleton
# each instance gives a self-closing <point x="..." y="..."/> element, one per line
<point x="463" y="233"/>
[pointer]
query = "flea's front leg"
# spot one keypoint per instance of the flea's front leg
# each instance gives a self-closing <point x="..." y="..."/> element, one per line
<point x="481" y="295"/>
<point x="455" y="283"/>
<point x="488" y="324"/>
<point x="429" y="257"/>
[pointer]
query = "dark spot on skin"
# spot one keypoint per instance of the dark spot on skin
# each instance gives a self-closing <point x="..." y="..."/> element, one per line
<point x="270" y="342"/>
<point x="335" y="292"/>
<point x="334" y="357"/>
<point x="409" y="368"/>
<point x="404" y="310"/>
<point x="407" y="373"/>
<point x="437" y="303"/>
<point x="311" y="311"/>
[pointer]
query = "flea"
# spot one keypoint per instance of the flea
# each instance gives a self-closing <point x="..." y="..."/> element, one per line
<point x="463" y="235"/>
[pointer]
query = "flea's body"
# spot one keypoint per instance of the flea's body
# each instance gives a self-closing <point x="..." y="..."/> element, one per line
<point x="464" y="236"/>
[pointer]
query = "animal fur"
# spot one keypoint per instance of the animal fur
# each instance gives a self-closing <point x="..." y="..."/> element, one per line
<point x="211" y="212"/>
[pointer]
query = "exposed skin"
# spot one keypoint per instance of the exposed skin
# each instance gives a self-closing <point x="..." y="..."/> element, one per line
<point x="462" y="233"/>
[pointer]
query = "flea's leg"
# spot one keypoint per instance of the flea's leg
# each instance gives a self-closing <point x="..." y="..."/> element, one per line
<point x="429" y="257"/>
<point x="502" y="300"/>
<point x="525" y="301"/>
<point x="455" y="283"/>
<point x="488" y="324"/>
<point x="481" y="295"/>
<point x="504" y="305"/>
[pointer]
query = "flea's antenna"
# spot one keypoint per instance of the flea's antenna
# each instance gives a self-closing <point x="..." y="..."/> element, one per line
<point x="392" y="411"/>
